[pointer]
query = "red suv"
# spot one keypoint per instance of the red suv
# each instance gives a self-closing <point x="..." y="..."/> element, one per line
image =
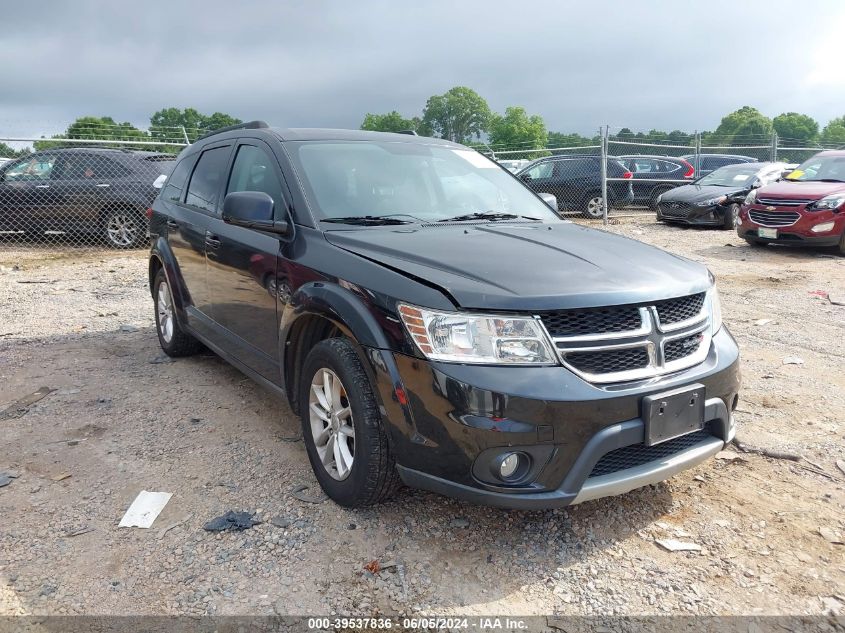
<point x="807" y="207"/>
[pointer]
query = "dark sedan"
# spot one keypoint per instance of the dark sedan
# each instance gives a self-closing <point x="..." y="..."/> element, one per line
<point x="714" y="199"/>
<point x="650" y="170"/>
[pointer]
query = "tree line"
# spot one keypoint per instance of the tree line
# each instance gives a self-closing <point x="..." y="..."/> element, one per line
<point x="463" y="116"/>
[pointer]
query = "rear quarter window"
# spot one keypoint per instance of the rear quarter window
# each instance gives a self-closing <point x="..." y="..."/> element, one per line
<point x="208" y="178"/>
<point x="176" y="181"/>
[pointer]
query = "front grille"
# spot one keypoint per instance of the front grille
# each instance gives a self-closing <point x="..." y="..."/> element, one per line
<point x="593" y="321"/>
<point x="674" y="209"/>
<point x="677" y="310"/>
<point x="639" y="454"/>
<point x="784" y="202"/>
<point x="609" y="360"/>
<point x="680" y="347"/>
<point x="774" y="218"/>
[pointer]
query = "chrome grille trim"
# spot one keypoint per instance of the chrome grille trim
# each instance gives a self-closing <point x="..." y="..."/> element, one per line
<point x="784" y="202"/>
<point x="774" y="219"/>
<point x="652" y="337"/>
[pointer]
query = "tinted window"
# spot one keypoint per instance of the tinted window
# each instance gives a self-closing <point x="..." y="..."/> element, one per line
<point x="207" y="178"/>
<point x="31" y="168"/>
<point x="253" y="171"/>
<point x="543" y="170"/>
<point x="88" y="167"/>
<point x="176" y="181"/>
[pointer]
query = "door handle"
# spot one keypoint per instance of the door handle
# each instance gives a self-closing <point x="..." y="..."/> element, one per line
<point x="104" y="184"/>
<point x="172" y="225"/>
<point x="42" y="186"/>
<point x="212" y="240"/>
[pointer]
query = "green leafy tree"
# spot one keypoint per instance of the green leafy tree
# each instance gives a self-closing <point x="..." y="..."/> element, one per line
<point x="167" y="124"/>
<point x="561" y="139"/>
<point x="458" y="115"/>
<point x="744" y="125"/>
<point x="834" y="132"/>
<point x="793" y="126"/>
<point x="390" y="122"/>
<point x="9" y="152"/>
<point x="96" y="128"/>
<point x="517" y="130"/>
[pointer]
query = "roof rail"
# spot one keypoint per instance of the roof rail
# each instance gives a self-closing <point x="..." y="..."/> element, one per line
<point x="411" y="132"/>
<point x="249" y="125"/>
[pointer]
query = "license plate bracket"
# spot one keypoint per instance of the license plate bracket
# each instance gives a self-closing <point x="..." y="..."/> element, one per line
<point x="673" y="413"/>
<point x="770" y="234"/>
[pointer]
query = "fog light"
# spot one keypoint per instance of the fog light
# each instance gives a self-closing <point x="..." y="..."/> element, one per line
<point x="509" y="466"/>
<point x="821" y="228"/>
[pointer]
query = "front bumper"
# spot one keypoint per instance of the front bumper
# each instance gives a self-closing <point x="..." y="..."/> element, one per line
<point x="713" y="215"/>
<point x="799" y="233"/>
<point x="456" y="416"/>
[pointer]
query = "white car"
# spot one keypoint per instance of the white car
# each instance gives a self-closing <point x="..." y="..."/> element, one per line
<point x="514" y="165"/>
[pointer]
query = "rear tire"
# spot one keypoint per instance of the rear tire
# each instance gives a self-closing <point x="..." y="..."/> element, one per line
<point x="342" y="428"/>
<point x="731" y="219"/>
<point x="591" y="207"/>
<point x="173" y="340"/>
<point x="123" y="228"/>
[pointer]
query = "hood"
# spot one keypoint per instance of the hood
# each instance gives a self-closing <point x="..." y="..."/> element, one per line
<point x="540" y="266"/>
<point x="785" y="189"/>
<point x="694" y="193"/>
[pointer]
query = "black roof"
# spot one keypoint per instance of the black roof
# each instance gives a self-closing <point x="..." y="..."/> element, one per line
<point x="328" y="134"/>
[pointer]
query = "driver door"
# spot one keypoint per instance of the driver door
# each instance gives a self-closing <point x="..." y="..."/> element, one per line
<point x="25" y="194"/>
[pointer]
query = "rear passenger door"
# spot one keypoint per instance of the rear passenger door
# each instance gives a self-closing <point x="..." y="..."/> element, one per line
<point x="188" y="228"/>
<point x="242" y="265"/>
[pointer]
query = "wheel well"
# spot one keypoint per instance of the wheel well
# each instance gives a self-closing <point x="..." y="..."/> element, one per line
<point x="120" y="206"/>
<point x="155" y="266"/>
<point x="306" y="332"/>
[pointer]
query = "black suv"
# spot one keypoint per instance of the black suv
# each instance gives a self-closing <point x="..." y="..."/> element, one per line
<point x="433" y="322"/>
<point x="82" y="192"/>
<point x="575" y="180"/>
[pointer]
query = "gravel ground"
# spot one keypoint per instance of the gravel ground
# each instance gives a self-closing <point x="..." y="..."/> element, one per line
<point x="121" y="421"/>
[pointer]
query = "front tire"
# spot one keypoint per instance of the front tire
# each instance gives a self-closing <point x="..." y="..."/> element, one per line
<point x="592" y="206"/>
<point x="173" y="340"/>
<point x="842" y="245"/>
<point x="342" y="428"/>
<point x="731" y="219"/>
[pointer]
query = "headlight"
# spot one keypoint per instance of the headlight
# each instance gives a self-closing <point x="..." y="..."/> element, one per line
<point x="833" y="201"/>
<point x="751" y="197"/>
<point x="659" y="198"/>
<point x="713" y="201"/>
<point x="715" y="308"/>
<point x="456" y="337"/>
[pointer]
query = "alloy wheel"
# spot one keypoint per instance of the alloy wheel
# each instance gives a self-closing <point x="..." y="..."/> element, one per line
<point x="330" y="417"/>
<point x="164" y="307"/>
<point x="122" y="229"/>
<point x="594" y="207"/>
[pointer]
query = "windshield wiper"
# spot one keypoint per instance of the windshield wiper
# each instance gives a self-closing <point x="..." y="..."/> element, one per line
<point x="367" y="220"/>
<point x="820" y="180"/>
<point x="487" y="215"/>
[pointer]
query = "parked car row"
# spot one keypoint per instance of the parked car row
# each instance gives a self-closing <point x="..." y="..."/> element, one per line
<point x="84" y="193"/>
<point x="575" y="179"/>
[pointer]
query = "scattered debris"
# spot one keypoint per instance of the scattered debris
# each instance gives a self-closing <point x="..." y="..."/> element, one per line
<point x="837" y="300"/>
<point x="460" y="522"/>
<point x="672" y="545"/>
<point x="144" y="510"/>
<point x="280" y="522"/>
<point x="819" y="293"/>
<point x="831" y="536"/>
<point x="840" y="465"/>
<point x="730" y="456"/>
<point x="60" y="476"/>
<point x="79" y="532"/>
<point x="6" y="478"/>
<point x="373" y="567"/>
<point x="165" y="530"/>
<point x="161" y="359"/>
<point x="291" y="439"/>
<point x="763" y="321"/>
<point x="126" y="327"/>
<point x="20" y="407"/>
<point x="765" y="452"/>
<point x="298" y="494"/>
<point x="233" y="521"/>
<point x="793" y="360"/>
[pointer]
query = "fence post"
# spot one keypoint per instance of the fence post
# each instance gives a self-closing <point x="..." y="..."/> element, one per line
<point x="185" y="134"/>
<point x="774" y="152"/>
<point x="604" y="134"/>
<point x="697" y="154"/>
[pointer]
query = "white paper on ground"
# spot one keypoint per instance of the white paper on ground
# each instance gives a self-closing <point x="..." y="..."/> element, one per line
<point x="145" y="509"/>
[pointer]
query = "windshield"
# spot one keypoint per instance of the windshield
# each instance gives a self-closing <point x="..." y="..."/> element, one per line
<point x="820" y="168"/>
<point x="730" y="176"/>
<point x="408" y="181"/>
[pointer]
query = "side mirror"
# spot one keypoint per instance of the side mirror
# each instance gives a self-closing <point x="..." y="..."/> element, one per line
<point x="253" y="210"/>
<point x="525" y="177"/>
<point x="756" y="184"/>
<point x="158" y="183"/>
<point x="550" y="200"/>
<point x="785" y="173"/>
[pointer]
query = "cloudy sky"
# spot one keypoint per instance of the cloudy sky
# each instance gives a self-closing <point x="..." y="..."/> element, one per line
<point x="655" y="64"/>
